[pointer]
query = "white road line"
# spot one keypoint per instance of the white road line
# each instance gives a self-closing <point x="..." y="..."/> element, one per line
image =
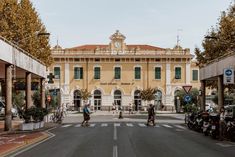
<point x="116" y="124"/>
<point x="114" y="133"/>
<point x="179" y="126"/>
<point x="142" y="125"/>
<point x="129" y="124"/>
<point x="157" y="126"/>
<point x="224" y="144"/>
<point x="92" y="125"/>
<point x="65" y="126"/>
<point x="167" y="126"/>
<point x="115" y="151"/>
<point x="78" y="125"/>
<point x="104" y="124"/>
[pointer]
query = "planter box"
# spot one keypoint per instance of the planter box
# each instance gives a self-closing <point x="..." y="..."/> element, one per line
<point x="42" y="124"/>
<point x="27" y="126"/>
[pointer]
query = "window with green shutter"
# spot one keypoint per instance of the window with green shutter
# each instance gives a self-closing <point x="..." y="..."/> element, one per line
<point x="78" y="73"/>
<point x="177" y="73"/>
<point x="57" y="72"/>
<point x="137" y="73"/>
<point x="117" y="73"/>
<point x="195" y="75"/>
<point x="97" y="73"/>
<point x="157" y="72"/>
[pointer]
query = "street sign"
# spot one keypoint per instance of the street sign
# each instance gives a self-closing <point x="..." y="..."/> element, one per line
<point x="228" y="76"/>
<point x="48" y="98"/>
<point x="187" y="98"/>
<point x="187" y="88"/>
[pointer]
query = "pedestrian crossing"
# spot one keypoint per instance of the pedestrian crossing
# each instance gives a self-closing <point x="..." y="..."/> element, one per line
<point x="178" y="127"/>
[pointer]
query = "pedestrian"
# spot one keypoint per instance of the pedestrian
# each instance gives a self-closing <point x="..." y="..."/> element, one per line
<point x="86" y="115"/>
<point x="113" y="108"/>
<point x="130" y="108"/>
<point x="151" y="115"/>
<point x="222" y="124"/>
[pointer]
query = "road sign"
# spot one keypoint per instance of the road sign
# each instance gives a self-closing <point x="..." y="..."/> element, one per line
<point x="187" y="88"/>
<point x="228" y="76"/>
<point x="187" y="98"/>
<point x="48" y="98"/>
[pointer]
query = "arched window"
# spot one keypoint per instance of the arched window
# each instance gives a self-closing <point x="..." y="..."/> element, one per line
<point x="77" y="99"/>
<point x="97" y="100"/>
<point x="137" y="100"/>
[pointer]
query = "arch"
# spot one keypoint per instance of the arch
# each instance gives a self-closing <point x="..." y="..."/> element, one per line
<point x="77" y="99"/>
<point x="177" y="100"/>
<point x="158" y="99"/>
<point x="137" y="100"/>
<point x="97" y="97"/>
<point x="117" y="95"/>
<point x="117" y="88"/>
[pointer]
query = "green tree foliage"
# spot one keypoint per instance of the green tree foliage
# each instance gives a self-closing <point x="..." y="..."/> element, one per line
<point x="85" y="94"/>
<point x="220" y="40"/>
<point x="148" y="94"/>
<point x="20" y="23"/>
<point x="193" y="92"/>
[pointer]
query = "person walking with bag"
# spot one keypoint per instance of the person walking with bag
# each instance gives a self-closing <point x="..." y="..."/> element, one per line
<point x="151" y="115"/>
<point x="86" y="115"/>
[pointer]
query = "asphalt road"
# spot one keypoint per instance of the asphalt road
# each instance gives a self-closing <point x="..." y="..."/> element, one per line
<point x="129" y="139"/>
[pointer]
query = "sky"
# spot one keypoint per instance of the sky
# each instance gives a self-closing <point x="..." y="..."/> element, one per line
<point x="155" y="22"/>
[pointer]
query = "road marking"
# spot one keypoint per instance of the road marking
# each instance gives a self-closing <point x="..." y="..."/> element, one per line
<point x="114" y="132"/>
<point x="92" y="125"/>
<point x="78" y="125"/>
<point x="65" y="126"/>
<point x="224" y="144"/>
<point x="178" y="130"/>
<point x="104" y="124"/>
<point x="167" y="126"/>
<point x="117" y="124"/>
<point x="129" y="124"/>
<point x="181" y="127"/>
<point x="142" y="125"/>
<point x="157" y="126"/>
<point x="115" y="151"/>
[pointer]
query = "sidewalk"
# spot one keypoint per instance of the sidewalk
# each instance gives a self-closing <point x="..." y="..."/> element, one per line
<point x="16" y="140"/>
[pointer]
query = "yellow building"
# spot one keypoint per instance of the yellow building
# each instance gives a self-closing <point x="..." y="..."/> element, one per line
<point x="115" y="73"/>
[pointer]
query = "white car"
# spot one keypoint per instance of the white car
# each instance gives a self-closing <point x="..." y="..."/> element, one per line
<point x="2" y="110"/>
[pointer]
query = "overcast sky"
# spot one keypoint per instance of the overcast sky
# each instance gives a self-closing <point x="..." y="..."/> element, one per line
<point x="153" y="22"/>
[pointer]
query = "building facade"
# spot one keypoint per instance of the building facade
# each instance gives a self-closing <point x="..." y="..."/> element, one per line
<point x="116" y="73"/>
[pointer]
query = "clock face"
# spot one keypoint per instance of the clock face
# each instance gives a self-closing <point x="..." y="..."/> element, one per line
<point x="117" y="44"/>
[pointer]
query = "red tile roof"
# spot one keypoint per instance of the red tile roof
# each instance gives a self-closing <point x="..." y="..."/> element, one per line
<point x="93" y="47"/>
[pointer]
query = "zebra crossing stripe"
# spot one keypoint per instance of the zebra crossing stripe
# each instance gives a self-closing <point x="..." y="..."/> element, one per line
<point x="65" y="126"/>
<point x="117" y="124"/>
<point x="179" y="126"/>
<point x="142" y="125"/>
<point x="129" y="124"/>
<point x="78" y="125"/>
<point x="167" y="126"/>
<point x="104" y="124"/>
<point x="157" y="126"/>
<point x="92" y="125"/>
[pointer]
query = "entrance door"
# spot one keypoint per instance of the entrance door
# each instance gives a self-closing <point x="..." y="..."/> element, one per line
<point x="137" y="100"/>
<point x="77" y="99"/>
<point x="118" y="98"/>
<point x="97" y="100"/>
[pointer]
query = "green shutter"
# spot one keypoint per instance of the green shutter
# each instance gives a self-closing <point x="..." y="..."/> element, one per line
<point x="137" y="73"/>
<point x="177" y="73"/>
<point x="97" y="73"/>
<point x="81" y="73"/>
<point x="117" y="74"/>
<point x="157" y="73"/>
<point x="195" y="75"/>
<point x="57" y="72"/>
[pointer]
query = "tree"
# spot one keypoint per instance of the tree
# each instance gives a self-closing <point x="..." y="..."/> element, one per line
<point x="85" y="94"/>
<point x="148" y="94"/>
<point x="19" y="23"/>
<point x="220" y="41"/>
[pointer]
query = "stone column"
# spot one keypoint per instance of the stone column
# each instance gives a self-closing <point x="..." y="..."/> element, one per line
<point x="28" y="90"/>
<point x="42" y="92"/>
<point x="203" y="95"/>
<point x="188" y="72"/>
<point x="220" y="91"/>
<point x="168" y="98"/>
<point x="8" y="114"/>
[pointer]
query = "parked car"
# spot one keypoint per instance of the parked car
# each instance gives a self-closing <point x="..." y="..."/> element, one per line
<point x="2" y="110"/>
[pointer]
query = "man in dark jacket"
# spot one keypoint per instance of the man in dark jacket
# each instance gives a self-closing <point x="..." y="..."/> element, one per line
<point x="151" y="115"/>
